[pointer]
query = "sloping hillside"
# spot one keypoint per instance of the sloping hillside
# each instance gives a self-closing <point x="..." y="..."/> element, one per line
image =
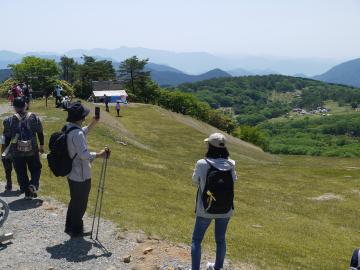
<point x="288" y="209"/>
<point x="347" y="73"/>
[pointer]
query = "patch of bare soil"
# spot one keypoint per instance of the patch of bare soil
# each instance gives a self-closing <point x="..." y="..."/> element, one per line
<point x="328" y="197"/>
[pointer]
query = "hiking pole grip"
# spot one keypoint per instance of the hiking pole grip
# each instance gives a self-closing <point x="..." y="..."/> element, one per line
<point x="107" y="150"/>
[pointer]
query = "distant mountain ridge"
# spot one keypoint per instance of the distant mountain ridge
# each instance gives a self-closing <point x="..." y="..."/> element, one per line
<point x="171" y="78"/>
<point x="4" y="74"/>
<point x="189" y="62"/>
<point x="347" y="73"/>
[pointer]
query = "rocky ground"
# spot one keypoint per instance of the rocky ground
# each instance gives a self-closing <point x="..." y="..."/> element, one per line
<point x="40" y="243"/>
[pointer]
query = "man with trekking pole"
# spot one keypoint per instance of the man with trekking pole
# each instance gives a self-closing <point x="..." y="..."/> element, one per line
<point x="79" y="178"/>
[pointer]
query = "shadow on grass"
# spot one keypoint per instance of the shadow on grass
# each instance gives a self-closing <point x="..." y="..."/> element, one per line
<point x="22" y="204"/>
<point x="75" y="250"/>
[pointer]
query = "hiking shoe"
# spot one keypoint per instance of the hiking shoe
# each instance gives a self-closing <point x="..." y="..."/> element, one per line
<point x="211" y="266"/>
<point x="28" y="195"/>
<point x="32" y="190"/>
<point x="8" y="186"/>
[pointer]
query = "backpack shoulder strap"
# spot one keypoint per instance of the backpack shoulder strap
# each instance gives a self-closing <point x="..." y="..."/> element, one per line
<point x="28" y="114"/>
<point x="67" y="131"/>
<point x="18" y="116"/>
<point x="208" y="162"/>
<point x="228" y="162"/>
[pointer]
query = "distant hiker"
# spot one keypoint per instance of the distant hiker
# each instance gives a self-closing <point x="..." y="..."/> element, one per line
<point x="19" y="90"/>
<point x="21" y="130"/>
<point x="118" y="108"/>
<point x="106" y="101"/>
<point x="30" y="91"/>
<point x="23" y="87"/>
<point x="65" y="102"/>
<point x="6" y="161"/>
<point x="79" y="178"/>
<point x="26" y="93"/>
<point x="10" y="96"/>
<point x="58" y="90"/>
<point x="16" y="91"/>
<point x="214" y="175"/>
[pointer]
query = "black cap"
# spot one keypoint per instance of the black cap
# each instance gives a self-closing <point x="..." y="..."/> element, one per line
<point x="76" y="111"/>
<point x="19" y="102"/>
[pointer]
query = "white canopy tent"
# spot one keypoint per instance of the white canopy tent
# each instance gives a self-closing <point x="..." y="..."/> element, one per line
<point x="113" y="95"/>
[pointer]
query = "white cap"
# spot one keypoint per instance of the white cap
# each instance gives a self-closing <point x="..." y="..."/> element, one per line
<point x="217" y="140"/>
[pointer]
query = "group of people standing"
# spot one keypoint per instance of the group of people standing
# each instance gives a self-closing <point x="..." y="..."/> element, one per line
<point x="214" y="175"/>
<point x="20" y="90"/>
<point x="22" y="141"/>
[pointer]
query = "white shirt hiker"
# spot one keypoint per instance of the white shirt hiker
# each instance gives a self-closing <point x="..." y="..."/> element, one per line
<point x="199" y="178"/>
<point x="77" y="145"/>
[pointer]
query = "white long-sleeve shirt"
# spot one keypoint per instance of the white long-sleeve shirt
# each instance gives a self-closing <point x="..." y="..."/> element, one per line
<point x="77" y="145"/>
<point x="199" y="178"/>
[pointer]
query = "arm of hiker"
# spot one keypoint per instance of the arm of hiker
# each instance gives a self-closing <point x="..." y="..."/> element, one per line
<point x="93" y="122"/>
<point x="7" y="135"/>
<point x="233" y="171"/>
<point x="103" y="153"/>
<point x="40" y="135"/>
<point x="81" y="150"/>
<point x="196" y="174"/>
<point x="41" y="142"/>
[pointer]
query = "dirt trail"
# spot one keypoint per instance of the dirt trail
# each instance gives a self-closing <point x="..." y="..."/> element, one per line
<point x="41" y="244"/>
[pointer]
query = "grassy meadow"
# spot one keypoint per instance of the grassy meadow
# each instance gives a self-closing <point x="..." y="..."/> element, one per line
<point x="282" y="219"/>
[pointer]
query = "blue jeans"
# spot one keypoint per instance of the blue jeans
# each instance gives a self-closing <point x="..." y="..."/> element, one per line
<point x="21" y="165"/>
<point x="201" y="226"/>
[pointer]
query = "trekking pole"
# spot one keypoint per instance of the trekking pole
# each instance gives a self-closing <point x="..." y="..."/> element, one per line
<point x="97" y="197"/>
<point x="101" y="197"/>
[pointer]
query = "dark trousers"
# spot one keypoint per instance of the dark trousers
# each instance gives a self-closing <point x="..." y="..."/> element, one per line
<point x="57" y="101"/>
<point x="7" y="163"/>
<point x="79" y="194"/>
<point x="118" y="112"/>
<point x="21" y="165"/>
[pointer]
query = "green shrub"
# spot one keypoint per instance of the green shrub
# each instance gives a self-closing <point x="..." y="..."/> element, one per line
<point x="252" y="135"/>
<point x="5" y="87"/>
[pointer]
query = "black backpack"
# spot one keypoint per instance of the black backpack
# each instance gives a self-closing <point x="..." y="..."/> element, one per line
<point x="60" y="163"/>
<point x="218" y="194"/>
<point x="355" y="260"/>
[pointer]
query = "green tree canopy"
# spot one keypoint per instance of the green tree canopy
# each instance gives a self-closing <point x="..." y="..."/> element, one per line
<point x="92" y="70"/>
<point x="137" y="79"/>
<point x="40" y="73"/>
<point x="68" y="68"/>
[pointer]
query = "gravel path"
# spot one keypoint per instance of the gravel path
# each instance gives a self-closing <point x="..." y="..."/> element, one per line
<point x="39" y="243"/>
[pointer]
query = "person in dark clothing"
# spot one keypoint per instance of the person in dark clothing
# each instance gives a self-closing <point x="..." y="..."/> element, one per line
<point x="26" y="93"/>
<point x="58" y="90"/>
<point x="79" y="178"/>
<point x="106" y="101"/>
<point x="7" y="164"/>
<point x="117" y="106"/>
<point x="22" y="130"/>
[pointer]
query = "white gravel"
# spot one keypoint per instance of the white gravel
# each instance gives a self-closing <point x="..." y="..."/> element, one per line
<point x="40" y="243"/>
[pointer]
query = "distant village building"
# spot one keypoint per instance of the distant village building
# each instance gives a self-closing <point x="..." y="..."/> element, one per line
<point x="114" y="91"/>
<point x="319" y="110"/>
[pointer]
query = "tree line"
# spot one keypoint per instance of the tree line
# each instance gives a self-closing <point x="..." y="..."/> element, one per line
<point x="77" y="77"/>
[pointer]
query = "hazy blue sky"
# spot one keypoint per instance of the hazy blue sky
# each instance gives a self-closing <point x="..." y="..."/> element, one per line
<point x="302" y="28"/>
